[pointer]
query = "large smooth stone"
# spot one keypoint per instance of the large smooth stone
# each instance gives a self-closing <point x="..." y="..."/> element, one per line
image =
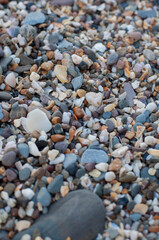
<point x="37" y="121"/>
<point x="80" y="215"/>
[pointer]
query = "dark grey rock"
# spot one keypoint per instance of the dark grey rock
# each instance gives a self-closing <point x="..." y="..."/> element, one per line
<point x="22" y="69"/>
<point x="80" y="215"/>
<point x="34" y="18"/>
<point x="55" y="185"/>
<point x="131" y="205"/>
<point x="25" y="60"/>
<point x="94" y="155"/>
<point x="135" y="190"/>
<point x="44" y="197"/>
<point x="28" y="32"/>
<point x="149" y="54"/>
<point x="141" y="118"/>
<point x="53" y="38"/>
<point x="24" y="174"/>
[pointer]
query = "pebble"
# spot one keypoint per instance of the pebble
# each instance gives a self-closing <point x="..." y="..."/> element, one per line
<point x="69" y="160"/>
<point x="44" y="197"/>
<point x="115" y="165"/>
<point x="112" y="58"/>
<point x="34" y="18"/>
<point x="5" y="95"/>
<point x="22" y="225"/>
<point x="61" y="73"/>
<point x="28" y="32"/>
<point x="55" y="185"/>
<point x="103" y="167"/>
<point x="93" y="155"/>
<point x="149" y="54"/>
<point x="28" y="193"/>
<point x="147" y="13"/>
<point x="130" y="94"/>
<point x="77" y="82"/>
<point x="120" y="152"/>
<point x="140" y="208"/>
<point x="110" y="176"/>
<point x="24" y="174"/>
<point x="23" y="149"/>
<point x="11" y="80"/>
<point x="94" y="99"/>
<point x="37" y="121"/>
<point x="11" y="175"/>
<point x="99" y="47"/>
<point x="9" y="159"/>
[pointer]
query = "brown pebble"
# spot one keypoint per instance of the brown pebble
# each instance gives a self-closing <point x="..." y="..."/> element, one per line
<point x="130" y="135"/>
<point x="6" y="116"/>
<point x="34" y="68"/>
<point x="47" y="66"/>
<point x="78" y="112"/>
<point x="56" y="120"/>
<point x="154" y="229"/>
<point x="50" y="55"/>
<point x="57" y="138"/>
<point x="115" y="165"/>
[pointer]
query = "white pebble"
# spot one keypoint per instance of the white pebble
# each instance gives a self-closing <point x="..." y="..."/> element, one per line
<point x="28" y="193"/>
<point x="151" y="106"/>
<point x="34" y="76"/>
<point x="103" y="167"/>
<point x="33" y="149"/>
<point x="66" y="117"/>
<point x="99" y="47"/>
<point x="26" y="237"/>
<point x="150" y="140"/>
<point x="110" y="176"/>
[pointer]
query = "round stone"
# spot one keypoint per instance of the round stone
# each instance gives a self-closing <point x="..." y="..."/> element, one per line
<point x="8" y="159"/>
<point x="110" y="176"/>
<point x="44" y="197"/>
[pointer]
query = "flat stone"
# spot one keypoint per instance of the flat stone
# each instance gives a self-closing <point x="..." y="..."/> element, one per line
<point x="77" y="223"/>
<point x="44" y="197"/>
<point x="130" y="94"/>
<point x="9" y="188"/>
<point x="8" y="159"/>
<point x="135" y="217"/>
<point x="110" y="125"/>
<point x="93" y="155"/>
<point x="55" y="185"/>
<point x="34" y="18"/>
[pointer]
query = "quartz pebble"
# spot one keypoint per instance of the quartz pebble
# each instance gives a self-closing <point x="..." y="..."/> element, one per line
<point x="110" y="176"/>
<point x="37" y="121"/>
<point x="11" y="80"/>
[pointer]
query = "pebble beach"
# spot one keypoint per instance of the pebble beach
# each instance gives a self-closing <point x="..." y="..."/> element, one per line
<point x="79" y="111"/>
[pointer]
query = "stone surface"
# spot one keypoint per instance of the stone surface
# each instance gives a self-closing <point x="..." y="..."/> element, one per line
<point x="61" y="73"/>
<point x="75" y="224"/>
<point x="94" y="99"/>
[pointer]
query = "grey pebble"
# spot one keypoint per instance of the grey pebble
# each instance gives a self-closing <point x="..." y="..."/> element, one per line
<point x="94" y="155"/>
<point x="24" y="174"/>
<point x="55" y="185"/>
<point x="69" y="160"/>
<point x="23" y="149"/>
<point x="44" y="197"/>
<point x="34" y="18"/>
<point x="77" y="82"/>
